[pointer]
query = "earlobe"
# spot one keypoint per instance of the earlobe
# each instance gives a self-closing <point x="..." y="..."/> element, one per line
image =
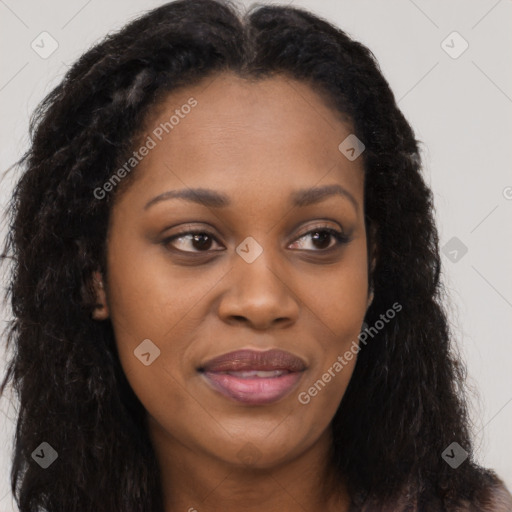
<point x="101" y="311"/>
<point x="371" y="295"/>
<point x="370" y="298"/>
<point x="372" y="260"/>
<point x="373" y="257"/>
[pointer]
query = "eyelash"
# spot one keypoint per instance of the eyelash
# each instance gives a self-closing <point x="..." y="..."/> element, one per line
<point x="340" y="238"/>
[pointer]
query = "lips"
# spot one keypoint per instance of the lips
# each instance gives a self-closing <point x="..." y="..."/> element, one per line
<point x="253" y="377"/>
<point x="253" y="360"/>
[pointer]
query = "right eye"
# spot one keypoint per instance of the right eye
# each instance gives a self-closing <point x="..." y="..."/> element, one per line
<point x="199" y="239"/>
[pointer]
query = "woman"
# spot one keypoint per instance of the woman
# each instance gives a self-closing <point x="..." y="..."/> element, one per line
<point x="226" y="282"/>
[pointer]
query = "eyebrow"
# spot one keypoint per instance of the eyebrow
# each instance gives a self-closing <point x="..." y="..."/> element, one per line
<point x="213" y="199"/>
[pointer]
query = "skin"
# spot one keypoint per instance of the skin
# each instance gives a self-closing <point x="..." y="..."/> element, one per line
<point x="256" y="142"/>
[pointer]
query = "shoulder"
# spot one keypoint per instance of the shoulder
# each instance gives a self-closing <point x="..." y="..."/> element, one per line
<point x="491" y="496"/>
<point x="494" y="498"/>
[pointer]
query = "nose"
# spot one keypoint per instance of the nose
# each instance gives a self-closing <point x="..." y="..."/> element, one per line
<point x="259" y="295"/>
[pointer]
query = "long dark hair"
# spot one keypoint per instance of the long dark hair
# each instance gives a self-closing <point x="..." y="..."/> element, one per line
<point x="406" y="400"/>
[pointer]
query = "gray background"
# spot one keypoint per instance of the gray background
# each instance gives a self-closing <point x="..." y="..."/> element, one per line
<point x="460" y="108"/>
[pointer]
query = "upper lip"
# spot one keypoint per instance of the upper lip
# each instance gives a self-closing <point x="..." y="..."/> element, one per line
<point x="247" y="359"/>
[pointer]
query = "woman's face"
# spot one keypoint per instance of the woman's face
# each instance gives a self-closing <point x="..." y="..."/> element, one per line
<point x="263" y="275"/>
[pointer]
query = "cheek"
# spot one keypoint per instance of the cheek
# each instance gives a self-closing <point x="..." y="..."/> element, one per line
<point x="338" y="308"/>
<point x="143" y="307"/>
<point x="339" y="300"/>
<point x="322" y="394"/>
<point x="147" y="298"/>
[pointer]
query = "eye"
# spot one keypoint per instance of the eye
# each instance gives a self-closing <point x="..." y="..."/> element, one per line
<point x="321" y="238"/>
<point x="202" y="241"/>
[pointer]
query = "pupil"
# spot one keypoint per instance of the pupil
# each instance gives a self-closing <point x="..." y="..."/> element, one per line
<point x="322" y="237"/>
<point x="202" y="244"/>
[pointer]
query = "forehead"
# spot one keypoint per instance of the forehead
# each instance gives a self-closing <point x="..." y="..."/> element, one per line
<point x="257" y="108"/>
<point x="273" y="133"/>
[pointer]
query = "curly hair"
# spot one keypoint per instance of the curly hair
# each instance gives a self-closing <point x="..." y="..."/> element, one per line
<point x="405" y="402"/>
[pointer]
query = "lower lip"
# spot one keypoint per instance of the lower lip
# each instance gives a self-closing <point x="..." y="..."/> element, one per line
<point x="256" y="390"/>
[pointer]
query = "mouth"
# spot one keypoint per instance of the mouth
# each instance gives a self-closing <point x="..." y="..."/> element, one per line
<point x="253" y="377"/>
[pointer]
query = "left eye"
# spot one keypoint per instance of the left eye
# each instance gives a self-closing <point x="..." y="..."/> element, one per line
<point x="323" y="235"/>
<point x="202" y="240"/>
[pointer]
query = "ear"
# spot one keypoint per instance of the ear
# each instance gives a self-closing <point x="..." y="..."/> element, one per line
<point x="371" y="296"/>
<point x="101" y="311"/>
